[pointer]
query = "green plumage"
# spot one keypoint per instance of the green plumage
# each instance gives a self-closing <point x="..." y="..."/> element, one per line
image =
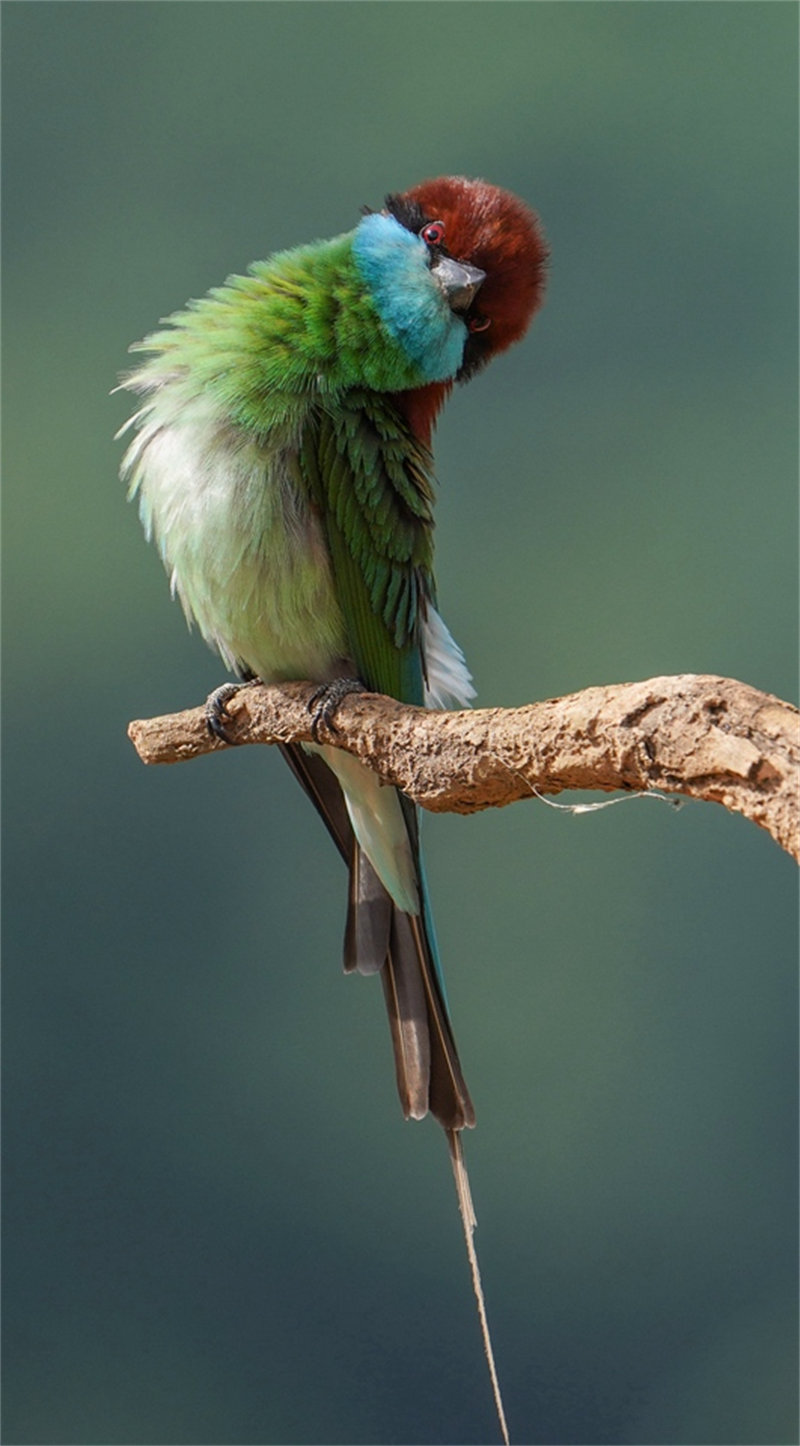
<point x="298" y="327"/>
<point x="372" y="486"/>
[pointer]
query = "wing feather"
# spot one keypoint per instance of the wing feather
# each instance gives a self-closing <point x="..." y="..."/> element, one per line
<point x="370" y="481"/>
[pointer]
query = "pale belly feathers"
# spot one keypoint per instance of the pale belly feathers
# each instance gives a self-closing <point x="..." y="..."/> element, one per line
<point x="244" y="553"/>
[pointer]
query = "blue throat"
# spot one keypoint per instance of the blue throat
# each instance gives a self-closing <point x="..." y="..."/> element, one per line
<point x="412" y="307"/>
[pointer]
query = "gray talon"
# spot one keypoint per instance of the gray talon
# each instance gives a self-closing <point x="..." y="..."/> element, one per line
<point x="216" y="711"/>
<point x="326" y="699"/>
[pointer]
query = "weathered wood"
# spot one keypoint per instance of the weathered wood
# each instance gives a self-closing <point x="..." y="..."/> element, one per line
<point x="700" y="736"/>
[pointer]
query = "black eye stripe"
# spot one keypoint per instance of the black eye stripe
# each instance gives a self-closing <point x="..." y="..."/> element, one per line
<point x="409" y="213"/>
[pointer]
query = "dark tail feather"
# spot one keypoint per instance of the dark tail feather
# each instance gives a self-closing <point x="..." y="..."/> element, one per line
<point x="380" y="937"/>
<point x="323" y="789"/>
<point x="426" y="1059"/>
<point x="369" y="917"/>
<point x="407" y="1008"/>
<point x="369" y="907"/>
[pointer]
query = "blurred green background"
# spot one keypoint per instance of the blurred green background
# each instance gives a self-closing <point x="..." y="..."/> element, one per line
<point x="219" y="1228"/>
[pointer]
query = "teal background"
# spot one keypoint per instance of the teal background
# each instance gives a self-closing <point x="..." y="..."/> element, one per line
<point x="219" y="1229"/>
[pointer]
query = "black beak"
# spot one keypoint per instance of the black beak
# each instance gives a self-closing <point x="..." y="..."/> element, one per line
<point x="459" y="282"/>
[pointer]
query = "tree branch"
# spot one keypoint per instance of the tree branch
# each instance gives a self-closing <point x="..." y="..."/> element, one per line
<point x="701" y="736"/>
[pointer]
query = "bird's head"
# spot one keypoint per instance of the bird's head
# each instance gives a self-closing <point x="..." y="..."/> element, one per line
<point x="484" y="227"/>
<point x="488" y="245"/>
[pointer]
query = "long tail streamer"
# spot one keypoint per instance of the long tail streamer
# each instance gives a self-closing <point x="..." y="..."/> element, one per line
<point x="469" y="1222"/>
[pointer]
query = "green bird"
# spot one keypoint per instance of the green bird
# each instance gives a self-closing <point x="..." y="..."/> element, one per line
<point x="282" y="465"/>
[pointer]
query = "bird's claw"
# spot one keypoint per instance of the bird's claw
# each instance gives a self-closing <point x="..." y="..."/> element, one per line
<point x="325" y="700"/>
<point x="216" y="711"/>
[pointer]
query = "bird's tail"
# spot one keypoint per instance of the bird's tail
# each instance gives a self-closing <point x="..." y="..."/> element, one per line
<point x="382" y="938"/>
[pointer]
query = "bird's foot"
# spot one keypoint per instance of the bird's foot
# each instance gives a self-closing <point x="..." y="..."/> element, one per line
<point x="325" y="700"/>
<point x="216" y="711"/>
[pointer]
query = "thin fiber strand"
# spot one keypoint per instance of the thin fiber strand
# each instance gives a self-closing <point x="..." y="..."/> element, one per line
<point x="467" y="1212"/>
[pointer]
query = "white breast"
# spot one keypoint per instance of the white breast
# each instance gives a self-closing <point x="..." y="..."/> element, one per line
<point x="243" y="551"/>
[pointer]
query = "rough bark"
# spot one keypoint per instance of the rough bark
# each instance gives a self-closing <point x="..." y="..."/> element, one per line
<point x="696" y="735"/>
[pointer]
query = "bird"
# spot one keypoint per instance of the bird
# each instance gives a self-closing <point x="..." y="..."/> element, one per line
<point x="281" y="460"/>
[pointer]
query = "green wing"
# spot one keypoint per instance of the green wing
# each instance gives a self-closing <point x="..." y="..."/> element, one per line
<point x="371" y="483"/>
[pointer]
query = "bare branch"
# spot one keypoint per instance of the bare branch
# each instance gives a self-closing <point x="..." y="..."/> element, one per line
<point x="701" y="736"/>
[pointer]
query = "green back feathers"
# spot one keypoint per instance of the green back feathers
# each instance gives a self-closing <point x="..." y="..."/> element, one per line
<point x="301" y="325"/>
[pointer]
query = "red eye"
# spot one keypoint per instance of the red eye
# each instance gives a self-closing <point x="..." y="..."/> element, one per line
<point x="433" y="233"/>
<point x="479" y="323"/>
